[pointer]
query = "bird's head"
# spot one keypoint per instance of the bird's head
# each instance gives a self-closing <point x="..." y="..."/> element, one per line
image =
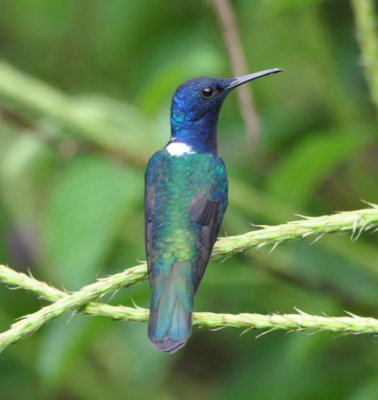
<point x="199" y="97"/>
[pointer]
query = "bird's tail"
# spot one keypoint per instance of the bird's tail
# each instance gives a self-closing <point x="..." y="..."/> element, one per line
<point x="170" y="322"/>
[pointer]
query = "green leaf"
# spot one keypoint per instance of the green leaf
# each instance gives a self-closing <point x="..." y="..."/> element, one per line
<point x="23" y="164"/>
<point x="296" y="176"/>
<point x="87" y="207"/>
<point x="62" y="344"/>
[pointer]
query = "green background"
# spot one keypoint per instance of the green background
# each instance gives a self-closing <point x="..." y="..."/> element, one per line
<point x="77" y="127"/>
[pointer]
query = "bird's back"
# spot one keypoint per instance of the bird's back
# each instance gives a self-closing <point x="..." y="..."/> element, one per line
<point x="186" y="197"/>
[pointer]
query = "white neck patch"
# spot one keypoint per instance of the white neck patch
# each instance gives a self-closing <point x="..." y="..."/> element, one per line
<point x="178" y="149"/>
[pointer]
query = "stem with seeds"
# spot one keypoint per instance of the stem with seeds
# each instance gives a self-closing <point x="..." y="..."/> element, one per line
<point x="83" y="300"/>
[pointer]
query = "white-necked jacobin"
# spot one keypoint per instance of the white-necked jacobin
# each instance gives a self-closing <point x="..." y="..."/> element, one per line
<point x="185" y="200"/>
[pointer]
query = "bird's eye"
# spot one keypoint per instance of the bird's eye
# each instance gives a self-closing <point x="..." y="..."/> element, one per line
<point x="207" y="92"/>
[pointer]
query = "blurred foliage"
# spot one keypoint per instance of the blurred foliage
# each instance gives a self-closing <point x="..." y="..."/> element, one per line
<point x="77" y="126"/>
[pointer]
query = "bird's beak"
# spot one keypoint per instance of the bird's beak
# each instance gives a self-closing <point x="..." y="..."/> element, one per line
<point x="246" y="78"/>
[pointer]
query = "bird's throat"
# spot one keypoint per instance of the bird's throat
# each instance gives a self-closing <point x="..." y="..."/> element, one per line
<point x="200" y="135"/>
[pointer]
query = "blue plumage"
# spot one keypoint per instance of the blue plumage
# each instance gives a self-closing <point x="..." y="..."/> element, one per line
<point x="185" y="200"/>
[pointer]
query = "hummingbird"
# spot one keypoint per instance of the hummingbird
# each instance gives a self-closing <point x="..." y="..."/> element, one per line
<point x="186" y="192"/>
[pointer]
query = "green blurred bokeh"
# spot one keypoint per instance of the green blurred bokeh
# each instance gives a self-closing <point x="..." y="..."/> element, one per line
<point x="85" y="89"/>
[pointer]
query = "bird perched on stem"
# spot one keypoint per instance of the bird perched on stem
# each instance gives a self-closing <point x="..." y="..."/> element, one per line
<point x="185" y="200"/>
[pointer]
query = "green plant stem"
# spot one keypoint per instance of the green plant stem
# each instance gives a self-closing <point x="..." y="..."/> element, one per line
<point x="366" y="27"/>
<point x="64" y="303"/>
<point x="70" y="112"/>
<point x="355" y="221"/>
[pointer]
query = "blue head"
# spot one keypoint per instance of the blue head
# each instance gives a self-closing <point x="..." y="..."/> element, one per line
<point x="196" y="105"/>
